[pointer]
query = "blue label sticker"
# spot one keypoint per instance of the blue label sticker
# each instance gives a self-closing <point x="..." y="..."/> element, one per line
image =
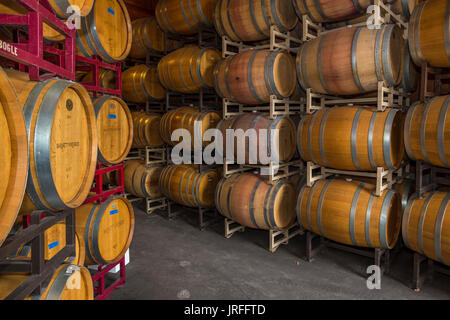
<point x="111" y="11"/>
<point x="113" y="116"/>
<point x="53" y="245"/>
<point x="113" y="212"/>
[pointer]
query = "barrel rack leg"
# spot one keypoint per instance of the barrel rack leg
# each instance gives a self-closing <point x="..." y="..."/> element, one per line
<point x="231" y="227"/>
<point x="280" y="237"/>
<point x="312" y="251"/>
<point x="418" y="277"/>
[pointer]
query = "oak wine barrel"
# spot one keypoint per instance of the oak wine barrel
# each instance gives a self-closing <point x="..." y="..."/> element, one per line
<point x="238" y="78"/>
<point x="107" y="230"/>
<point x="188" y="69"/>
<point x="148" y="37"/>
<point x="429" y="35"/>
<point x="251" y="20"/>
<point x="427" y="131"/>
<point x="141" y="83"/>
<point x="426" y="226"/>
<point x="13" y="157"/>
<point x="329" y="11"/>
<point x="146" y="130"/>
<point x="350" y="213"/>
<point x="115" y="129"/>
<point x="141" y="181"/>
<point x="184" y="17"/>
<point x="252" y="202"/>
<point x="63" y="140"/>
<point x="352" y="138"/>
<point x="278" y="145"/>
<point x="69" y="282"/>
<point x="364" y="57"/>
<point x="187" y="186"/>
<point x="185" y="118"/>
<point x="105" y="32"/>
<point x="107" y="78"/>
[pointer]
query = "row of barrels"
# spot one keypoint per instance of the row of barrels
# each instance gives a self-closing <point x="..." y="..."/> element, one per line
<point x="345" y="138"/>
<point x="342" y="210"/>
<point x="53" y="136"/>
<point x="103" y="235"/>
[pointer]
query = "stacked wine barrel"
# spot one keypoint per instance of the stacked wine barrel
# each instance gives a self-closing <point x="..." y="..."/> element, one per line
<point x="189" y="69"/>
<point x="106" y="31"/>
<point x="253" y="76"/>
<point x="65" y="141"/>
<point x="350" y="213"/>
<point x="190" y="119"/>
<point x="106" y="229"/>
<point x="252" y="202"/>
<point x="146" y="130"/>
<point x="189" y="187"/>
<point x="115" y="129"/>
<point x="277" y="145"/>
<point x="183" y="17"/>
<point x="149" y="38"/>
<point x="141" y="83"/>
<point x="142" y="181"/>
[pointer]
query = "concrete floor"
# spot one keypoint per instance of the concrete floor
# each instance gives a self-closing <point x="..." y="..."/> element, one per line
<point x="174" y="260"/>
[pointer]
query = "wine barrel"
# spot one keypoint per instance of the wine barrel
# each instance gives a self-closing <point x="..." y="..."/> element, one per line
<point x="107" y="230"/>
<point x="107" y="78"/>
<point x="350" y="213"/>
<point x="115" y="129"/>
<point x="426" y="226"/>
<point x="69" y="282"/>
<point x="63" y="141"/>
<point x="105" y="32"/>
<point x="352" y="138"/>
<point x="188" y="69"/>
<point x="148" y="37"/>
<point x="427" y="131"/>
<point x="329" y="11"/>
<point x="428" y="34"/>
<point x="146" y="130"/>
<point x="238" y="78"/>
<point x="13" y="157"/>
<point x="141" y="83"/>
<point x="410" y="73"/>
<point x="185" y="118"/>
<point x="141" y="181"/>
<point x="364" y="57"/>
<point x="184" y="17"/>
<point x="278" y="145"/>
<point x="187" y="186"/>
<point x="251" y="20"/>
<point x="252" y="202"/>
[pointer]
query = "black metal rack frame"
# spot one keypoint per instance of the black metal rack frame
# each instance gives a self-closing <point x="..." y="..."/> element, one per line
<point x="39" y="269"/>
